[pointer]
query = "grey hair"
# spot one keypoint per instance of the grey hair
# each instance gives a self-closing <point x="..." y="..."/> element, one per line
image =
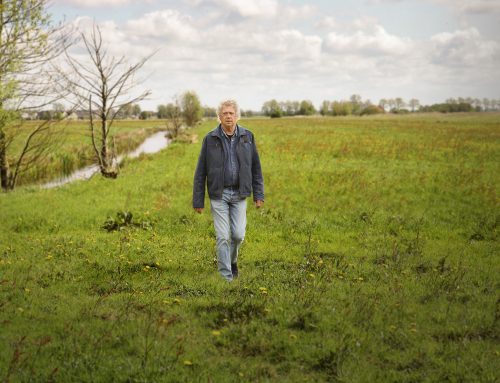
<point x="232" y="103"/>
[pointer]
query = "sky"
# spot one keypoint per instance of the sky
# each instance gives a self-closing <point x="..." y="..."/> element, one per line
<point x="257" y="50"/>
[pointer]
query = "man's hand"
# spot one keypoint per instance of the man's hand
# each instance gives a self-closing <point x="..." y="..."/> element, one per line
<point x="259" y="203"/>
<point x="199" y="210"/>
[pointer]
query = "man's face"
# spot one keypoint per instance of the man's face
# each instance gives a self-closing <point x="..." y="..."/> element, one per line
<point x="228" y="118"/>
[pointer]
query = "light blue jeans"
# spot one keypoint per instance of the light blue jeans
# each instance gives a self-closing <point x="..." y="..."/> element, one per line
<point x="230" y="220"/>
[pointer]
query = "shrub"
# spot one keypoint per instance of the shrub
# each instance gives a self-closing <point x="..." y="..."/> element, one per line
<point x="372" y="109"/>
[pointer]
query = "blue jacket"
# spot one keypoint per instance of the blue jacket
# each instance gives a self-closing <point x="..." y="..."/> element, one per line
<point x="210" y="168"/>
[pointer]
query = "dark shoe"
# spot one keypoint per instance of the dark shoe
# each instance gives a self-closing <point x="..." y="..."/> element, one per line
<point x="234" y="270"/>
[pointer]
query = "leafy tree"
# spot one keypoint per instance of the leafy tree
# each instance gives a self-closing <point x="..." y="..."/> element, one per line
<point x="136" y="110"/>
<point x="161" y="111"/>
<point x="290" y="108"/>
<point x="247" y="113"/>
<point x="58" y="110"/>
<point x="128" y="111"/>
<point x="146" y="115"/>
<point x="356" y="104"/>
<point x="372" y="109"/>
<point x="307" y="108"/>
<point x="125" y="111"/>
<point x="477" y="104"/>
<point x="325" y="108"/>
<point x="28" y="44"/>
<point x="192" y="110"/>
<point x="272" y="109"/>
<point x="341" y="108"/>
<point x="212" y="112"/>
<point x="45" y="115"/>
<point x="453" y="107"/>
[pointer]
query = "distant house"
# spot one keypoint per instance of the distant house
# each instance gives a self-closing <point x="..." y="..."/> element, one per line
<point x="73" y="116"/>
<point x="82" y="114"/>
<point x="29" y="115"/>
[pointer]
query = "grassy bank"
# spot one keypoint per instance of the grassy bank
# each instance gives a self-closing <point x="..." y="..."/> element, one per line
<point x="70" y="147"/>
<point x="375" y="259"/>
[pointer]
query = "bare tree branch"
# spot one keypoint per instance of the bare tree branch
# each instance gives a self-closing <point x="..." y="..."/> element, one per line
<point x="103" y="84"/>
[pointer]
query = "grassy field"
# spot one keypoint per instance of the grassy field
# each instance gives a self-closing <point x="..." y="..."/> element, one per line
<point x="71" y="148"/>
<point x="375" y="259"/>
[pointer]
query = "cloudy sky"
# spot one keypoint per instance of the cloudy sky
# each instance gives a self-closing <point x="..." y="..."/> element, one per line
<point x="256" y="50"/>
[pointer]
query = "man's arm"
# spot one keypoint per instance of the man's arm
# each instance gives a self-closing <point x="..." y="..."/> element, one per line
<point x="200" y="177"/>
<point x="257" y="178"/>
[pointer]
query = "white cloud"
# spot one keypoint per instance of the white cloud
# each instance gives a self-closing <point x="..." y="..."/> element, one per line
<point x="94" y="3"/>
<point x="298" y="12"/>
<point x="327" y="22"/>
<point x="168" y="24"/>
<point x="262" y="49"/>
<point x="375" y="42"/>
<point x="367" y="23"/>
<point x="383" y="1"/>
<point x="481" y="6"/>
<point x="471" y="6"/>
<point x="245" y="8"/>
<point x="277" y="45"/>
<point x="464" y="48"/>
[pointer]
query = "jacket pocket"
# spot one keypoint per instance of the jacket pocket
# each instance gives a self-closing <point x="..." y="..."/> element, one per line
<point x="214" y="181"/>
<point x="245" y="153"/>
<point x="214" y="155"/>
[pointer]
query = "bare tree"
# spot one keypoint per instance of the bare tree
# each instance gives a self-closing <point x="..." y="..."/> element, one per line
<point x="497" y="104"/>
<point x="28" y="45"/>
<point x="486" y="104"/>
<point x="399" y="103"/>
<point x="392" y="104"/>
<point x="413" y="104"/>
<point x="103" y="85"/>
<point x="383" y="103"/>
<point x="173" y="114"/>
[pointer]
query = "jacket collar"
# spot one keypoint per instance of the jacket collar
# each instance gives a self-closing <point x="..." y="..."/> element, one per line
<point x="217" y="132"/>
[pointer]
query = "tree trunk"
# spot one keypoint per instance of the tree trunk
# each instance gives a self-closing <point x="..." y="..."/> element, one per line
<point x="4" y="165"/>
<point x="4" y="170"/>
<point x="107" y="166"/>
<point x="104" y="145"/>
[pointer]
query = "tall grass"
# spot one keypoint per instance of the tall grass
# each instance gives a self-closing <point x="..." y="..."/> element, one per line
<point x="375" y="259"/>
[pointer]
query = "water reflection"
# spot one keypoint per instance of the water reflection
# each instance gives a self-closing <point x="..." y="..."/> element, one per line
<point x="152" y="144"/>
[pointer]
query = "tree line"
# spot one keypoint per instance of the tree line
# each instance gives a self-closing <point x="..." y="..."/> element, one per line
<point x="355" y="105"/>
<point x="188" y="108"/>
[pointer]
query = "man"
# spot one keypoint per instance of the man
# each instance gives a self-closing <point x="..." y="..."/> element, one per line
<point x="230" y="167"/>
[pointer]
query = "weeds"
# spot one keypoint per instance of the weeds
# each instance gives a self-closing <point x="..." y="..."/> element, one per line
<point x="123" y="220"/>
<point x="373" y="260"/>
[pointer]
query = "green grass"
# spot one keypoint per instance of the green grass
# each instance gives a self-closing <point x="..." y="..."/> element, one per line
<point x="375" y="259"/>
<point x="71" y="148"/>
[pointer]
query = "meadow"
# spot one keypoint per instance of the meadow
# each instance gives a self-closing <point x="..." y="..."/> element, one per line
<point x="70" y="147"/>
<point x="374" y="259"/>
